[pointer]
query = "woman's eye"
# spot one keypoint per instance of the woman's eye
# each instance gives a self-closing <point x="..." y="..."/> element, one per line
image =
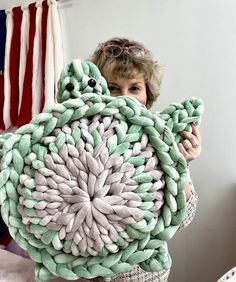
<point x="135" y="89"/>
<point x="113" y="88"/>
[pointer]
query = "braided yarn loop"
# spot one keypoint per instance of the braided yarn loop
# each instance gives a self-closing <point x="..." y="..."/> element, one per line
<point x="95" y="184"/>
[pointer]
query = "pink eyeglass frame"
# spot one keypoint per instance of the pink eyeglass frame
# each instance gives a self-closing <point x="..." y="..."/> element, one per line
<point x="122" y="48"/>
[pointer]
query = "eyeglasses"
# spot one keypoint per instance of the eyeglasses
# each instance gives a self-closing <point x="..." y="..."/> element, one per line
<point x="113" y="50"/>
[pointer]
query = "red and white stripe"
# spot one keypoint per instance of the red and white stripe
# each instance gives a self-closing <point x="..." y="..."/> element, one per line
<point x="14" y="64"/>
<point x="23" y="50"/>
<point x="7" y="86"/>
<point x="54" y="55"/>
<point x="31" y="83"/>
<point x="37" y="85"/>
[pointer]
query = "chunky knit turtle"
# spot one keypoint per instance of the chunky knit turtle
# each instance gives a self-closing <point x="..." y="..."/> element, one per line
<point x="95" y="184"/>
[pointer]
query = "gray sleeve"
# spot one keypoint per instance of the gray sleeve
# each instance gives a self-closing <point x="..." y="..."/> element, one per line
<point x="191" y="210"/>
<point x="137" y="274"/>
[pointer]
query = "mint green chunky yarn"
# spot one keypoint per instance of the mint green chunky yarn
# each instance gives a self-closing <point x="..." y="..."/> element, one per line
<point x="78" y="78"/>
<point x="95" y="184"/>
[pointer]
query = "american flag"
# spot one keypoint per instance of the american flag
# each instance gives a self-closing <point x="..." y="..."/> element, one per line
<point x="31" y="49"/>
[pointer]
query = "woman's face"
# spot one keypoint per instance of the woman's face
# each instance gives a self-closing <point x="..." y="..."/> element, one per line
<point x="134" y="87"/>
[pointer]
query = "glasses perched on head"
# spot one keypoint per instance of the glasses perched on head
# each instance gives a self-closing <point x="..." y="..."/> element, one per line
<point x="114" y="50"/>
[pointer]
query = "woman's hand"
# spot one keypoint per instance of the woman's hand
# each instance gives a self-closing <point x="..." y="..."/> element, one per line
<point x="191" y="145"/>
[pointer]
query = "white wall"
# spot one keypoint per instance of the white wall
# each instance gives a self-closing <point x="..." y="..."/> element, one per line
<point x="196" y="43"/>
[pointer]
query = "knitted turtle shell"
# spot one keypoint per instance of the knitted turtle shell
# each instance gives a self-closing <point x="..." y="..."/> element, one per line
<point x="95" y="184"/>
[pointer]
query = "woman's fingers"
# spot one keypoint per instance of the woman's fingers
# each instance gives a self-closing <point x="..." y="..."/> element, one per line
<point x="190" y="146"/>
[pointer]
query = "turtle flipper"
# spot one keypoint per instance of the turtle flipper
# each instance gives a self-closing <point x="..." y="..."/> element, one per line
<point x="179" y="116"/>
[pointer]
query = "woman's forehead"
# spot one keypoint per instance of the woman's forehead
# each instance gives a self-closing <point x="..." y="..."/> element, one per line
<point x="114" y="70"/>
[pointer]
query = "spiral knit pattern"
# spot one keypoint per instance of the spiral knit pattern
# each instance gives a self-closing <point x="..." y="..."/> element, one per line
<point x="94" y="185"/>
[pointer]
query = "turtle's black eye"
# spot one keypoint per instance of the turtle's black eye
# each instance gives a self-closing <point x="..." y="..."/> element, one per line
<point x="92" y="82"/>
<point x="69" y="87"/>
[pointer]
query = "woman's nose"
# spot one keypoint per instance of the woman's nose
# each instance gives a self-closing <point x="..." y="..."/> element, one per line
<point x="124" y="92"/>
